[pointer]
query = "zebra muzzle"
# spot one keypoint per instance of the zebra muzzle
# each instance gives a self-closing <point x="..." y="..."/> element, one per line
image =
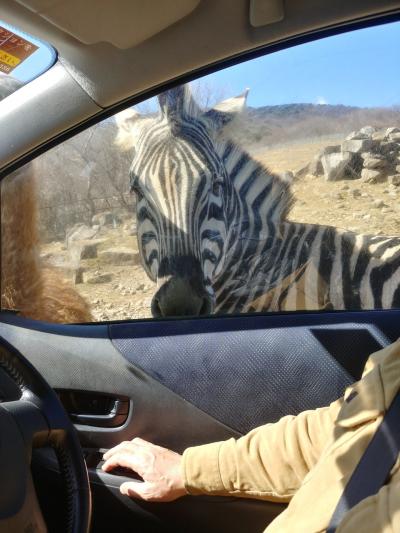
<point x="181" y="297"/>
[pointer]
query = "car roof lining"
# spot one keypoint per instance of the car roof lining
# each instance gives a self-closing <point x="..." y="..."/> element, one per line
<point x="110" y="74"/>
<point x="121" y="23"/>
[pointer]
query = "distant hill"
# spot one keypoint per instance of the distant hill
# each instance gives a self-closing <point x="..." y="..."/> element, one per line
<point x="286" y="123"/>
<point x="291" y="110"/>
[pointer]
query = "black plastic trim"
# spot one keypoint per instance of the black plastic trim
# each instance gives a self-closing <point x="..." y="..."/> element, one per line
<point x="387" y="320"/>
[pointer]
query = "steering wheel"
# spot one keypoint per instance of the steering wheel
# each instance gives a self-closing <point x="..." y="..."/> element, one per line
<point x="37" y="419"/>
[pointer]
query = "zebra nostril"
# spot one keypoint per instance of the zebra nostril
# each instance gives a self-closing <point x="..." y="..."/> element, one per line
<point x="178" y="297"/>
<point x="155" y="308"/>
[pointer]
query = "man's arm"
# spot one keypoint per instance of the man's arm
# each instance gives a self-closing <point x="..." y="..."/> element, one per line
<point x="270" y="462"/>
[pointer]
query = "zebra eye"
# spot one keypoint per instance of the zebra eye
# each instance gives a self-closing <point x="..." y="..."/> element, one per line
<point x="210" y="256"/>
<point x="217" y="185"/>
<point x="133" y="182"/>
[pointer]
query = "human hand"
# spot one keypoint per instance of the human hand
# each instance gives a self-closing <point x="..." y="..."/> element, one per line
<point x="159" y="467"/>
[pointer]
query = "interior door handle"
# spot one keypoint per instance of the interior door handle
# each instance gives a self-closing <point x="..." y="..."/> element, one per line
<point x="95" y="409"/>
<point x="116" y="417"/>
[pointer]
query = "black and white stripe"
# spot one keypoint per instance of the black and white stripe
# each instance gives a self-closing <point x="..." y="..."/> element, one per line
<point x="213" y="228"/>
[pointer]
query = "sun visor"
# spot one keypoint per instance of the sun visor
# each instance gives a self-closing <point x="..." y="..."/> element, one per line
<point x="122" y="23"/>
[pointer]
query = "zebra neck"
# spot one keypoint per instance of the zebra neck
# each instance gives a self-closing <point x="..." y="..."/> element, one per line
<point x="264" y="197"/>
<point x="259" y="200"/>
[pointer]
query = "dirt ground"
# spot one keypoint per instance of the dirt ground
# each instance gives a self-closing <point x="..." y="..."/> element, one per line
<point x="352" y="204"/>
<point x="128" y="294"/>
<point x="349" y="204"/>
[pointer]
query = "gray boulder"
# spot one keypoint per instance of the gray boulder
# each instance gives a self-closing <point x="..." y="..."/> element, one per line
<point x="375" y="155"/>
<point x="86" y="249"/>
<point x="119" y="256"/>
<point x="357" y="146"/>
<point x="330" y="149"/>
<point x="89" y="250"/>
<point x="367" y="130"/>
<point x="394" y="180"/>
<point x="130" y="228"/>
<point x="77" y="275"/>
<point x="378" y="203"/>
<point x="375" y="162"/>
<point x="99" y="278"/>
<point x="390" y="131"/>
<point x="357" y="135"/>
<point x="287" y="176"/>
<point x="372" y="176"/>
<point x="315" y="167"/>
<point x="79" y="232"/>
<point x="105" y="219"/>
<point x="379" y="135"/>
<point x="388" y="147"/>
<point x="343" y="165"/>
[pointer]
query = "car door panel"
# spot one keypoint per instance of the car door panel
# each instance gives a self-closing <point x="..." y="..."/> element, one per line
<point x="67" y="361"/>
<point x="203" y="369"/>
<point x="272" y="371"/>
<point x="194" y="381"/>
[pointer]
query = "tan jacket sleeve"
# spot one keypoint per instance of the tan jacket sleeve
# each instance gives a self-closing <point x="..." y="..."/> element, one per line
<point x="268" y="463"/>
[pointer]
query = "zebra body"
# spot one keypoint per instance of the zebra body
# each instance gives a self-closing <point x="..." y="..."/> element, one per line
<point x="213" y="229"/>
<point x="282" y="265"/>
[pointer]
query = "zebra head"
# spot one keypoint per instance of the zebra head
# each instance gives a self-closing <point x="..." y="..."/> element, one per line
<point x="184" y="197"/>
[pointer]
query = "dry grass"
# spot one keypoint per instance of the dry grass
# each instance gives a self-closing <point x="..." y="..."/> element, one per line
<point x="292" y="156"/>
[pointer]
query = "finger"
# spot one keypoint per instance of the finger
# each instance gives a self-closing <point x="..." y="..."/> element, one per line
<point x="125" y="445"/>
<point x="142" y="490"/>
<point x="146" y="444"/>
<point x="126" y="460"/>
<point x="141" y="442"/>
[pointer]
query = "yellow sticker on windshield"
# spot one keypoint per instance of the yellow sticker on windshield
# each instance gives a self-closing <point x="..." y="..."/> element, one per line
<point x="13" y="50"/>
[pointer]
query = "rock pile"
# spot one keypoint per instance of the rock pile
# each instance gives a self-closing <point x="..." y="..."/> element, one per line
<point x="368" y="154"/>
<point x="82" y="243"/>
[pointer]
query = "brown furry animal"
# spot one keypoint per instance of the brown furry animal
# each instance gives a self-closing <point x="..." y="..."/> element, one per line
<point x="35" y="292"/>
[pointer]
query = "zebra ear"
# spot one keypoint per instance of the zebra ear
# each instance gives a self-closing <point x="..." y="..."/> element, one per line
<point x="178" y="102"/>
<point x="128" y="124"/>
<point x="224" y="112"/>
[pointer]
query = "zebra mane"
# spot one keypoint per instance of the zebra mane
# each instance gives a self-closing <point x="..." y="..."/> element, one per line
<point x="272" y="190"/>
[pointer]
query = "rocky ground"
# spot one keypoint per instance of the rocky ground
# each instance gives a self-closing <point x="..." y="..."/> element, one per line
<point x="115" y="289"/>
<point x="105" y="264"/>
<point x="353" y="204"/>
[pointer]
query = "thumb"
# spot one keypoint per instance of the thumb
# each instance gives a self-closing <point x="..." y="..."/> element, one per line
<point x="137" y="489"/>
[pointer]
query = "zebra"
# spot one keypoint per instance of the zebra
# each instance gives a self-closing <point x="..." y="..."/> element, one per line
<point x="213" y="229"/>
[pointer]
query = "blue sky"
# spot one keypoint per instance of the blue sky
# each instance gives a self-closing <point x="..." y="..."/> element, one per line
<point x="360" y="68"/>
